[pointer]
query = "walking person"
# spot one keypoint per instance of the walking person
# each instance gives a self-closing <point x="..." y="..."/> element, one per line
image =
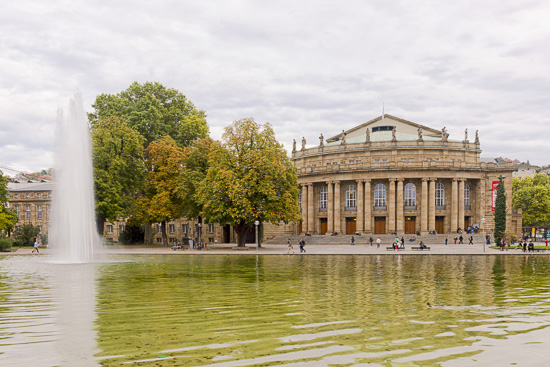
<point x="290" y="248"/>
<point x="370" y="240"/>
<point x="455" y="240"/>
<point x="35" y="247"/>
<point x="460" y="239"/>
<point x="471" y="240"/>
<point x="352" y="240"/>
<point x="302" y="243"/>
<point x="446" y="239"/>
<point x="402" y="242"/>
<point x="378" y="240"/>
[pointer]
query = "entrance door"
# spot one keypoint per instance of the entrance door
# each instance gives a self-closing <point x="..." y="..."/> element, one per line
<point x="379" y="225"/>
<point x="439" y="224"/>
<point x="466" y="223"/>
<point x="410" y="224"/>
<point x="300" y="228"/>
<point x="227" y="233"/>
<point x="323" y="225"/>
<point x="350" y="226"/>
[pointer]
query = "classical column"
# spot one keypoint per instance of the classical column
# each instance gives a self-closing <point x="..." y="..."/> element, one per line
<point x="431" y="209"/>
<point x="368" y="207"/>
<point x="304" y="208"/>
<point x="461" y="204"/>
<point x="391" y="206"/>
<point x="337" y="208"/>
<point x="360" y="210"/>
<point x="310" y="210"/>
<point x="399" y="208"/>
<point x="330" y="208"/>
<point x="479" y="202"/>
<point x="424" y="207"/>
<point x="454" y="206"/>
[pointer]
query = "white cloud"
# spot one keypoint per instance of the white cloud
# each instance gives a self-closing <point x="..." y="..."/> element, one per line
<point x="306" y="67"/>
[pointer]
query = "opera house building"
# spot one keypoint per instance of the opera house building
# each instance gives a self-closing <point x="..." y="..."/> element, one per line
<point x="391" y="175"/>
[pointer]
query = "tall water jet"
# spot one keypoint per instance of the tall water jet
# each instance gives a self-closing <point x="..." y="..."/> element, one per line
<point x="73" y="235"/>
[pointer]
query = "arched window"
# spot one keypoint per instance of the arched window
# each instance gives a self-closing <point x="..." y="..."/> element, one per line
<point x="380" y="196"/>
<point x="410" y="194"/>
<point x="467" y="195"/>
<point x="439" y="195"/>
<point x="323" y="198"/>
<point x="351" y="197"/>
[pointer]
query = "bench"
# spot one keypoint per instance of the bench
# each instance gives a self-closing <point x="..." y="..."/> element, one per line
<point x="389" y="248"/>
<point x="540" y="249"/>
<point x="419" y="248"/>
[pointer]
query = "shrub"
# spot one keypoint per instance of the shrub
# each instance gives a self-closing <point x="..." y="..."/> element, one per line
<point x="131" y="235"/>
<point x="5" y="244"/>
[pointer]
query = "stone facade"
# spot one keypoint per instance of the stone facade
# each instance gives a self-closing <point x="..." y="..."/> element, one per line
<point x="391" y="175"/>
<point x="32" y="202"/>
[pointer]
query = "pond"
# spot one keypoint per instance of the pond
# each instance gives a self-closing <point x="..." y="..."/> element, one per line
<point x="276" y="310"/>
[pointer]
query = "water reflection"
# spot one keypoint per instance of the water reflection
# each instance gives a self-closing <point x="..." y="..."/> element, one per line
<point x="278" y="310"/>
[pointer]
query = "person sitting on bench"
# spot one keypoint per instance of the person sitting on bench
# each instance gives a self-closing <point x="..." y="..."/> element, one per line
<point x="422" y="245"/>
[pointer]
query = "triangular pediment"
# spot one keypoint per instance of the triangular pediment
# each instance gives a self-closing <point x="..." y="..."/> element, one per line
<point x="386" y="122"/>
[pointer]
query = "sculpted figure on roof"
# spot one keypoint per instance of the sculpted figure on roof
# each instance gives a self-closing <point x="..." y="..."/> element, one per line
<point x="303" y="143"/>
<point x="393" y="134"/>
<point x="444" y="135"/>
<point x="293" y="145"/>
<point x="477" y="137"/>
<point x="321" y="140"/>
<point x="420" y="133"/>
<point x="343" y="137"/>
<point x="367" y="139"/>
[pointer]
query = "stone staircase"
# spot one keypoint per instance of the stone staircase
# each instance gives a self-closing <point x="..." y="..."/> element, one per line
<point x="387" y="239"/>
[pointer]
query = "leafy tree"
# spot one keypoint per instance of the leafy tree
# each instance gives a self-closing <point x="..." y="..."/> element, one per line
<point x="532" y="195"/>
<point x="118" y="168"/>
<point x="162" y="201"/>
<point x="500" y="212"/>
<point x="8" y="217"/>
<point x="154" y="111"/>
<point x="195" y="168"/>
<point x="250" y="178"/>
<point x="26" y="235"/>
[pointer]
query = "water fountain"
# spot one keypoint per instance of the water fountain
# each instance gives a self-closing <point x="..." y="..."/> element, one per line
<point x="73" y="234"/>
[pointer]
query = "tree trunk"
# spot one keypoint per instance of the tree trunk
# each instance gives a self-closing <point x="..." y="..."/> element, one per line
<point x="242" y="229"/>
<point x="164" y="236"/>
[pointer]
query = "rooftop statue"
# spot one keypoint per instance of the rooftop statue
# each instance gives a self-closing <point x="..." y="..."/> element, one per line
<point x="420" y="133"/>
<point x="303" y="143"/>
<point x="466" y="135"/>
<point x="343" y="137"/>
<point x="293" y="145"/>
<point x="477" y="137"/>
<point x="393" y="136"/>
<point x="444" y="134"/>
<point x="367" y="139"/>
<point x="321" y="140"/>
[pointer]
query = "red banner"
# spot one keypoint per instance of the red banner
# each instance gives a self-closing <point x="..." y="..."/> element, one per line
<point x="495" y="185"/>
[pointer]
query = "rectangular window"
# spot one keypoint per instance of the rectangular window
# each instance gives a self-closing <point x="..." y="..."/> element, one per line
<point x="159" y="228"/>
<point x="351" y="162"/>
<point x="40" y="229"/>
<point x="28" y="195"/>
<point x="172" y="228"/>
<point x="159" y="239"/>
<point x="17" y="210"/>
<point x="38" y="195"/>
<point x="185" y="228"/>
<point x="28" y="210"/>
<point x="121" y="228"/>
<point x="109" y="228"/>
<point x="39" y="211"/>
<point x="210" y="228"/>
<point x="17" y="196"/>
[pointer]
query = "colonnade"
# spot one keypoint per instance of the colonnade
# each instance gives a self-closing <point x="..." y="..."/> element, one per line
<point x="394" y="213"/>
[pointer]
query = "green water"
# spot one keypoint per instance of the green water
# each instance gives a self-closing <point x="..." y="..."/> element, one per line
<point x="276" y="310"/>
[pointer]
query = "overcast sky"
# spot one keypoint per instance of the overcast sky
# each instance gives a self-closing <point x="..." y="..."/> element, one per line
<point x="307" y="67"/>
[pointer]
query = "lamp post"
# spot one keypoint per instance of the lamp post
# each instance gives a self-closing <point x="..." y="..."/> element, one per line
<point x="484" y="239"/>
<point x="257" y="223"/>
<point x="199" y="225"/>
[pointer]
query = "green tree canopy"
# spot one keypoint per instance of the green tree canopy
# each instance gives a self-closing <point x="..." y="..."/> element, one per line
<point x="250" y="179"/>
<point x="154" y="111"/>
<point x="118" y="168"/>
<point x="162" y="200"/>
<point x="8" y="217"/>
<point x="196" y="166"/>
<point x="500" y="212"/>
<point x="532" y="195"/>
